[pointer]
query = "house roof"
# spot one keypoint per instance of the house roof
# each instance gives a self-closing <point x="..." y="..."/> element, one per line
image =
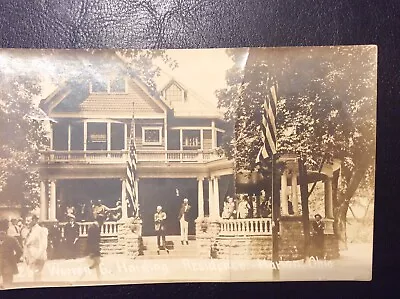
<point x="73" y="96"/>
<point x="192" y="106"/>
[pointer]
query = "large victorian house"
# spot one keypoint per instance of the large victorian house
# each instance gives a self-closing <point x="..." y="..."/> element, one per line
<point x="178" y="137"/>
<point x="177" y="140"/>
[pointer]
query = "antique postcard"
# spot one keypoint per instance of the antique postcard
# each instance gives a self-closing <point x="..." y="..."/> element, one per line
<point x="207" y="165"/>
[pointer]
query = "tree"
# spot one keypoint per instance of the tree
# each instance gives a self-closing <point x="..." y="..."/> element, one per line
<point x="21" y="138"/>
<point x="326" y="109"/>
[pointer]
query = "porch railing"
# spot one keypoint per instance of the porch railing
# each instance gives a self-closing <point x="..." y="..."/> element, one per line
<point x="246" y="227"/>
<point x="194" y="156"/>
<point x="108" y="228"/>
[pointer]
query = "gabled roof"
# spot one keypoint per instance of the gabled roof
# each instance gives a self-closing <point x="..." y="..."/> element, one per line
<point x="192" y="106"/>
<point x="74" y="97"/>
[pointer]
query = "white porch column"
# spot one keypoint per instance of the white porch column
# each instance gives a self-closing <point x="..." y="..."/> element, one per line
<point x="84" y="135"/>
<point x="137" y="191"/>
<point x="69" y="137"/>
<point x="200" y="197"/>
<point x="108" y="136"/>
<point x="295" y="199"/>
<point x="284" y="200"/>
<point x="124" y="206"/>
<point x="211" y="210"/>
<point x="53" y="201"/>
<point x="213" y="139"/>
<point x="180" y="139"/>
<point x="43" y="201"/>
<point x="216" y="196"/>
<point x="125" y="136"/>
<point x="328" y="198"/>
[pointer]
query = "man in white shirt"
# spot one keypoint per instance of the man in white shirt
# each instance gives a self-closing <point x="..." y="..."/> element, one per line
<point x="183" y="220"/>
<point x="35" y="246"/>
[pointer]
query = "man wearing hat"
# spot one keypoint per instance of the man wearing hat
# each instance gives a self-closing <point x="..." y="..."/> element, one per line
<point x="319" y="227"/>
<point x="71" y="237"/>
<point x="183" y="220"/>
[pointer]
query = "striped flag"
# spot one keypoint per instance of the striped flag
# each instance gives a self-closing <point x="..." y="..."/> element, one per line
<point x="268" y="127"/>
<point x="131" y="169"/>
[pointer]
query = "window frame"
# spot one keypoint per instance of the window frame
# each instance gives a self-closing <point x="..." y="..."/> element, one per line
<point x="154" y="128"/>
<point x="108" y="91"/>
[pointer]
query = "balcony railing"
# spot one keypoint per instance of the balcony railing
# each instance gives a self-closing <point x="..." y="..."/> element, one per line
<point x="246" y="227"/>
<point x="107" y="229"/>
<point x="194" y="156"/>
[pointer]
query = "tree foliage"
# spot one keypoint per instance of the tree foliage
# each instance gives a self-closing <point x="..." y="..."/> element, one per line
<point x="326" y="107"/>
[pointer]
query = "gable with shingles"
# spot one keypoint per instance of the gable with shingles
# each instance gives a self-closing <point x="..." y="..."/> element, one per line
<point x="80" y="101"/>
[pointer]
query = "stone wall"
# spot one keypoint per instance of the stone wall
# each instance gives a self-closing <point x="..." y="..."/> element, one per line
<point x="251" y="247"/>
<point x="291" y="240"/>
<point x="207" y="231"/>
<point x="129" y="241"/>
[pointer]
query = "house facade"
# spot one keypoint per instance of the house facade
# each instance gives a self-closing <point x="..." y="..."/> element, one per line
<point x="177" y="137"/>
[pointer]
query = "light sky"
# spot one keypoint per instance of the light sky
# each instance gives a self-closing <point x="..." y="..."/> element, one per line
<point x="201" y="71"/>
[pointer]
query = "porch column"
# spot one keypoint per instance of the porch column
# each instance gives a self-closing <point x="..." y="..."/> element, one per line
<point x="125" y="136"/>
<point x="211" y="210"/>
<point x="328" y="198"/>
<point x="53" y="201"/>
<point x="84" y="135"/>
<point x="124" y="205"/>
<point x="295" y="199"/>
<point x="213" y="139"/>
<point x="200" y="197"/>
<point x="108" y="136"/>
<point x="43" y="201"/>
<point x="216" y="196"/>
<point x="284" y="200"/>
<point x="69" y="137"/>
<point x="136" y="184"/>
<point x="180" y="139"/>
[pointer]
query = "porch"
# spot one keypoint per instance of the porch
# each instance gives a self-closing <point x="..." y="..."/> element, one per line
<point x="121" y="156"/>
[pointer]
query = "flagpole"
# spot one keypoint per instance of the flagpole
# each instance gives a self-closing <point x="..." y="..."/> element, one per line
<point x="275" y="223"/>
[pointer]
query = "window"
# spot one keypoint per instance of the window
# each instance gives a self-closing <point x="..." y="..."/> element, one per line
<point x="174" y="93"/>
<point x="117" y="136"/>
<point x="99" y="85"/>
<point x="97" y="136"/>
<point x="152" y="135"/>
<point x="117" y="85"/>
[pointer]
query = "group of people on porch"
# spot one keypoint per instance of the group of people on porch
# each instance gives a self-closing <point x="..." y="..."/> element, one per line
<point x="246" y="206"/>
<point x="88" y="211"/>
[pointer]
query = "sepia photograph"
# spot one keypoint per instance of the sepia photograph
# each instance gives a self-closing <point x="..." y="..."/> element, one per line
<point x="145" y="166"/>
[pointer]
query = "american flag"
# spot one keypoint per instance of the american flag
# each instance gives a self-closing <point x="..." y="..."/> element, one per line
<point x="268" y="127"/>
<point x="131" y="169"/>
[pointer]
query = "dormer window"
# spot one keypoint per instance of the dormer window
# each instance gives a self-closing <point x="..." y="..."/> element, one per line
<point x="174" y="93"/>
<point x="99" y="86"/>
<point x="115" y="85"/>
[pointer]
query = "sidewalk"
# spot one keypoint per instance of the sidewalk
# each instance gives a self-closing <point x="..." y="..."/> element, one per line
<point x="355" y="264"/>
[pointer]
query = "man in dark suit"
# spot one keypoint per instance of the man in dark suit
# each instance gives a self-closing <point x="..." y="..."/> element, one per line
<point x="159" y="226"/>
<point x="71" y="236"/>
<point x="184" y="220"/>
<point x="10" y="254"/>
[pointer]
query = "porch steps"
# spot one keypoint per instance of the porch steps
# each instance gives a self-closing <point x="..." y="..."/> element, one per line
<point x="109" y="246"/>
<point x="176" y="249"/>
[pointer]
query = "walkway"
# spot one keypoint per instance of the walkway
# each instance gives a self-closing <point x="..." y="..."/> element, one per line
<point x="355" y="264"/>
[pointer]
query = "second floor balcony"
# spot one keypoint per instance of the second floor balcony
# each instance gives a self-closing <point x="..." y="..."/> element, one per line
<point x="121" y="156"/>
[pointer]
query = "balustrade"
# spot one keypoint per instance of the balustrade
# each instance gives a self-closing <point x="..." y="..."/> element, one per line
<point x="193" y="156"/>
<point x="250" y="227"/>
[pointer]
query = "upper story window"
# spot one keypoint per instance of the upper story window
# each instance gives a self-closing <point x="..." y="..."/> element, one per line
<point x="115" y="85"/>
<point x="152" y="135"/>
<point x="174" y="93"/>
